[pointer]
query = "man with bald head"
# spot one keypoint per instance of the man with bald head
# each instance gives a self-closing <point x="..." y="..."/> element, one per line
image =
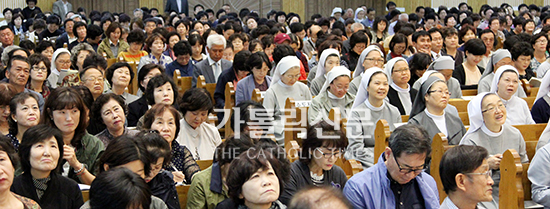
<point x="309" y="44"/>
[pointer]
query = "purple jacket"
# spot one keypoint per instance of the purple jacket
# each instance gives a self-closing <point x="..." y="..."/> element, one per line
<point x="371" y="188"/>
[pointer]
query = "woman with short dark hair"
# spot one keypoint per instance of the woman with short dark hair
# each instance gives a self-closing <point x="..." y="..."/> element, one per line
<point x="109" y="111"/>
<point x="320" y="151"/>
<point x="39" y="72"/>
<point x="118" y="188"/>
<point x="199" y="136"/>
<point x="155" y="44"/>
<point x="41" y="152"/>
<point x="65" y="110"/>
<point x="140" y="106"/>
<point x="111" y="46"/>
<point x="119" y="76"/>
<point x="469" y="73"/>
<point x="135" y="40"/>
<point x="24" y="113"/>
<point x="258" y="65"/>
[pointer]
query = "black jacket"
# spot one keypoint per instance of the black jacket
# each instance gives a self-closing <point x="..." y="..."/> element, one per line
<point x="62" y="192"/>
<point x="163" y="187"/>
<point x="460" y="75"/>
<point x="137" y="109"/>
<point x="393" y="96"/>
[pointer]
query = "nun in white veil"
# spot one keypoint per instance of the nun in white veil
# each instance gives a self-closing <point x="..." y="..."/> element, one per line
<point x="366" y="60"/>
<point x="499" y="58"/>
<point x="53" y="78"/>
<point x="505" y="84"/>
<point x="329" y="59"/>
<point x="430" y="111"/>
<point x="489" y="129"/>
<point x="284" y="85"/>
<point x="445" y="65"/>
<point x="541" y="109"/>
<point x="400" y="94"/>
<point x="369" y="107"/>
<point x="334" y="93"/>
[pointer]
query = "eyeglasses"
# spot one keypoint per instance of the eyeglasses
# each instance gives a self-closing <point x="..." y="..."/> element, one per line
<point x="39" y="69"/>
<point x="440" y="92"/>
<point x="375" y="60"/>
<point x="93" y="79"/>
<point x="329" y="155"/>
<point x="401" y="71"/>
<point x="487" y="174"/>
<point x="64" y="61"/>
<point x="408" y="170"/>
<point x="292" y="76"/>
<point x="493" y="109"/>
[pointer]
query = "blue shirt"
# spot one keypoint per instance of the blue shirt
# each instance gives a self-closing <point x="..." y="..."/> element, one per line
<point x="185" y="70"/>
<point x="371" y="188"/>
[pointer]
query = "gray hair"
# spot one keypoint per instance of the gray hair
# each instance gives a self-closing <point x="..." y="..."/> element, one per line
<point x="215" y="39"/>
<point x="6" y="51"/>
<point x="76" y="50"/>
<point x="357" y="26"/>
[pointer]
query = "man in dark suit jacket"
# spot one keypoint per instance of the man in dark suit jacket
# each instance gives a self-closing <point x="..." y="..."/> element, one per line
<point x="213" y="66"/>
<point x="172" y="5"/>
<point x="59" y="9"/>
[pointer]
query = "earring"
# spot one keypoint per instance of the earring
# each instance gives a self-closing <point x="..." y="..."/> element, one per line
<point x="15" y="120"/>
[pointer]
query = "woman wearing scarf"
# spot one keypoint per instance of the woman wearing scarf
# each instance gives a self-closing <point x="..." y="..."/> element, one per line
<point x="334" y="93"/>
<point x="430" y="111"/>
<point x="541" y="109"/>
<point x="498" y="58"/>
<point x="61" y="60"/>
<point x="284" y="85"/>
<point x="505" y="84"/>
<point x="329" y="59"/>
<point x="400" y="94"/>
<point x="445" y="65"/>
<point x="369" y="107"/>
<point x="359" y="15"/>
<point x="368" y="58"/>
<point x="488" y="128"/>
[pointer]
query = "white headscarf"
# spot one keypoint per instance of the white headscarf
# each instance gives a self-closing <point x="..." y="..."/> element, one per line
<point x="284" y="65"/>
<point x="362" y="93"/>
<point x="333" y="74"/>
<point x="497" y="56"/>
<point x="359" y="67"/>
<point x="475" y="114"/>
<point x="321" y="66"/>
<point x="57" y="52"/>
<point x="544" y="87"/>
<point x="498" y="74"/>
<point x="389" y="67"/>
<point x="442" y="63"/>
<point x="357" y="12"/>
<point x="426" y="75"/>
<point x="336" y="10"/>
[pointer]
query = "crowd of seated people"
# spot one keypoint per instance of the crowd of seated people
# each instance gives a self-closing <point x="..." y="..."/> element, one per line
<point x="73" y="115"/>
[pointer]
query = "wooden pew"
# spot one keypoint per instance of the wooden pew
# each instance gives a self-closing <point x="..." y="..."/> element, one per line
<point x="210" y="87"/>
<point x="468" y="92"/>
<point x="534" y="92"/>
<point x="531" y="134"/>
<point x="464" y="118"/>
<point x="111" y="61"/>
<point x="460" y="104"/>
<point x="292" y="150"/>
<point x="85" y="195"/>
<point x="182" y="194"/>
<point x="351" y="166"/>
<point x="526" y="87"/>
<point x="530" y="101"/>
<point x="512" y="193"/>
<point x="439" y="146"/>
<point x="381" y="136"/>
<point x="183" y="83"/>
<point x="290" y="110"/>
<point x="257" y="96"/>
<point x="229" y="104"/>
<point x="134" y="85"/>
<point x="204" y="164"/>
<point x="405" y="118"/>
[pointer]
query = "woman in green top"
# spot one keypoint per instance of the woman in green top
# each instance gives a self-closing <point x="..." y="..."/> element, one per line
<point x="65" y="111"/>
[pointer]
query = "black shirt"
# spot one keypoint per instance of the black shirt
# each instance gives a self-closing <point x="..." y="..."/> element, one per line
<point x="406" y="195"/>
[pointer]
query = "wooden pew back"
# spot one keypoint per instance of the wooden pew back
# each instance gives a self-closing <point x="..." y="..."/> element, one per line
<point x="468" y="92"/>
<point x="460" y="104"/>
<point x="511" y="191"/>
<point x="229" y="104"/>
<point x="257" y="96"/>
<point x="134" y="85"/>
<point x="204" y="164"/>
<point x="183" y="83"/>
<point x="440" y="145"/>
<point x="210" y="87"/>
<point x="531" y="134"/>
<point x="381" y="138"/>
<point x="183" y="190"/>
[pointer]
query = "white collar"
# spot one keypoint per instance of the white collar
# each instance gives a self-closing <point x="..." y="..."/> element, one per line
<point x="211" y="61"/>
<point x="370" y="106"/>
<point x="332" y="96"/>
<point x="399" y="89"/>
<point x="491" y="133"/>
<point x="283" y="84"/>
<point x="434" y="116"/>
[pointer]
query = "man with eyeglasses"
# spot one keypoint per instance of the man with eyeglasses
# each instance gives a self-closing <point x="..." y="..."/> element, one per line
<point x="398" y="179"/>
<point x="466" y="177"/>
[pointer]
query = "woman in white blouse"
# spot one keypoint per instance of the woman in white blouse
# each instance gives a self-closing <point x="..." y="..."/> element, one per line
<point x="196" y="134"/>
